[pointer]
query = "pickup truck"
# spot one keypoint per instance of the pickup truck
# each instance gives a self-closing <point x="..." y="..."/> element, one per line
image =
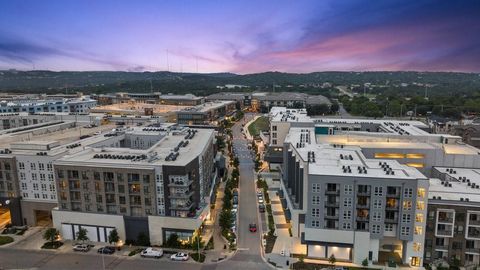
<point x="152" y="253"/>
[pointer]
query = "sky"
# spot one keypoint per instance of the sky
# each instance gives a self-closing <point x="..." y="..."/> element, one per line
<point x="240" y="36"/>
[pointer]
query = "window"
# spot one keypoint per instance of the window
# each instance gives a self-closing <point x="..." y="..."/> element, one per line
<point x="347" y="202"/>
<point x="21" y="166"/>
<point x="405" y="230"/>
<point x="408" y="192"/>
<point x="34" y="176"/>
<point x="25" y="195"/>
<point x="348" y="189"/>
<point x="60" y="174"/>
<point x="52" y="187"/>
<point x="22" y="176"/>
<point x="24" y="186"/>
<point x="315" y="200"/>
<point x="406" y="218"/>
<point x="377" y="216"/>
<point x="49" y="167"/>
<point x="44" y="187"/>
<point x="44" y="196"/>
<point x="407" y="205"/>
<point x="418" y="230"/>
<point x="315" y="212"/>
<point x="33" y="166"/>
<point x="377" y="204"/>
<point x="376" y="228"/>
<point x="389" y="227"/>
<point x="274" y="141"/>
<point x="41" y="166"/>
<point x="50" y="177"/>
<point x="421" y="193"/>
<point x="274" y="135"/>
<point x="419" y="218"/>
<point x="347" y="214"/>
<point x="42" y="177"/>
<point x="347" y="226"/>
<point x="316" y="188"/>
<point x="420" y="205"/>
<point x="315" y="223"/>
<point x="274" y="128"/>
<point x="35" y="186"/>
<point x="36" y="195"/>
<point x="417" y="246"/>
<point x="378" y="191"/>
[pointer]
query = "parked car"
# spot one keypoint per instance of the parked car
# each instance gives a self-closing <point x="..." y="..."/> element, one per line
<point x="235" y="200"/>
<point x="261" y="208"/>
<point x="259" y="193"/>
<point x="152" y="253"/>
<point x="260" y="200"/>
<point x="81" y="247"/>
<point x="106" y="250"/>
<point x="180" y="256"/>
<point x="252" y="227"/>
<point x="97" y="133"/>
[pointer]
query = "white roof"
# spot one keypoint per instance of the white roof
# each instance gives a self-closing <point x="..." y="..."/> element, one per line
<point x="457" y="185"/>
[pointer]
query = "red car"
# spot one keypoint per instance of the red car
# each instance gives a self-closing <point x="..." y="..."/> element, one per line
<point x="253" y="227"/>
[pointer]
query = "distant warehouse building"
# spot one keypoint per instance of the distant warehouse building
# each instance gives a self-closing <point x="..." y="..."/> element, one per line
<point x="70" y="105"/>
<point x="206" y="114"/>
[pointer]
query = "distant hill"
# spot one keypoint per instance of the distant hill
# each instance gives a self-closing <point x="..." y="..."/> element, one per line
<point x="440" y="83"/>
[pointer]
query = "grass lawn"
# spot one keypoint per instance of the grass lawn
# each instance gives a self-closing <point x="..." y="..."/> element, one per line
<point x="261" y="124"/>
<point x="5" y="240"/>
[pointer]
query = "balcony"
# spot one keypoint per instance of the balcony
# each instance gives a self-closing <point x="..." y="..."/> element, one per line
<point x="363" y="218"/>
<point x="393" y="195"/>
<point x="445" y="219"/>
<point x="363" y="206"/>
<point x="180" y="183"/>
<point x="332" y="192"/>
<point x="442" y="247"/>
<point x="331" y="216"/>
<point x="448" y="233"/>
<point x="185" y="195"/>
<point x="473" y="251"/>
<point x="475" y="222"/>
<point x="391" y="220"/>
<point x="473" y="232"/>
<point x="363" y="193"/>
<point x="391" y="207"/>
<point x="331" y="204"/>
<point x="184" y="207"/>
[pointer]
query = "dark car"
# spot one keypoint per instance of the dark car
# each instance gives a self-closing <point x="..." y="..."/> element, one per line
<point x="106" y="250"/>
<point x="261" y="208"/>
<point x="253" y="227"/>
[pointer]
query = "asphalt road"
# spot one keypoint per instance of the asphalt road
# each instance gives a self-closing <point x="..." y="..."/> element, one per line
<point x="247" y="257"/>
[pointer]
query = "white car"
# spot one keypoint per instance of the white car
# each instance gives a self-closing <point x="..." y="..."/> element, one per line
<point x="260" y="200"/>
<point x="152" y="253"/>
<point x="180" y="256"/>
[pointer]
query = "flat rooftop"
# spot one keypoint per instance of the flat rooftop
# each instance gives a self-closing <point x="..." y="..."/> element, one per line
<point x="282" y="114"/>
<point x="458" y="186"/>
<point x="146" y="158"/>
<point x="346" y="160"/>
<point x="207" y="106"/>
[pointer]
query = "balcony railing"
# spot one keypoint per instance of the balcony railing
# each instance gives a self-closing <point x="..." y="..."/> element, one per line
<point x="331" y="204"/>
<point x="180" y="183"/>
<point x="391" y="207"/>
<point x="445" y="219"/>
<point x="444" y="232"/>
<point x="185" y="195"/>
<point x="363" y="206"/>
<point x="393" y="195"/>
<point x="391" y="220"/>
<point x="473" y="250"/>
<point x="363" y="193"/>
<point x="363" y="218"/>
<point x="332" y="192"/>
<point x="474" y="222"/>
<point x="331" y="216"/>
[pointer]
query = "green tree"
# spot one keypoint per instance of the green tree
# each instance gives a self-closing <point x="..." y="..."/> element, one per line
<point x="226" y="219"/>
<point x="51" y="235"/>
<point x="332" y="260"/>
<point x="142" y="239"/>
<point x="365" y="262"/>
<point x="173" y="241"/>
<point x="113" y="236"/>
<point x="236" y="162"/>
<point x="82" y="235"/>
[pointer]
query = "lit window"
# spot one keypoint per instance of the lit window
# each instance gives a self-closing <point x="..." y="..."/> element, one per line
<point x="417" y="246"/>
<point x="415" y="156"/>
<point x="419" y="218"/>
<point x="418" y="230"/>
<point x="407" y="205"/>
<point x="421" y="193"/>
<point x="389" y="155"/>
<point x="415" y="165"/>
<point x="420" y="205"/>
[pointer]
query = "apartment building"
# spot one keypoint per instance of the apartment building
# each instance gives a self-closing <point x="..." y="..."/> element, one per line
<point x="453" y="223"/>
<point x="206" y="114"/>
<point x="10" y="209"/>
<point x="342" y="203"/>
<point x="78" y="105"/>
<point x="158" y="181"/>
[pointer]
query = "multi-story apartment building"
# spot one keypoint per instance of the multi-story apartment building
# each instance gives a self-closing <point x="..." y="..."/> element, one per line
<point x="157" y="181"/>
<point x="453" y="223"/>
<point x="76" y="105"/>
<point x="9" y="195"/>
<point x="342" y="203"/>
<point x="206" y="113"/>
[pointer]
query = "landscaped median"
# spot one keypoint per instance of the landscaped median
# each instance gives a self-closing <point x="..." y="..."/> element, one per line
<point x="260" y="124"/>
<point x="5" y="240"/>
<point x="270" y="237"/>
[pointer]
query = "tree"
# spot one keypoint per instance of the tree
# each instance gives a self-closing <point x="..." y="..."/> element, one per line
<point x="51" y="235"/>
<point x="172" y="241"/>
<point x="334" y="107"/>
<point x="113" y="236"/>
<point x="142" y="239"/>
<point x="365" y="262"/>
<point x="195" y="242"/>
<point x="225" y="219"/>
<point x="82" y="235"/>
<point x="236" y="162"/>
<point x="332" y="260"/>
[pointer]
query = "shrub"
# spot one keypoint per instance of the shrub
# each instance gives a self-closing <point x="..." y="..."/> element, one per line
<point x="365" y="262"/>
<point x="142" y="239"/>
<point x="5" y="240"/>
<point x="198" y="257"/>
<point x="51" y="235"/>
<point x="52" y="245"/>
